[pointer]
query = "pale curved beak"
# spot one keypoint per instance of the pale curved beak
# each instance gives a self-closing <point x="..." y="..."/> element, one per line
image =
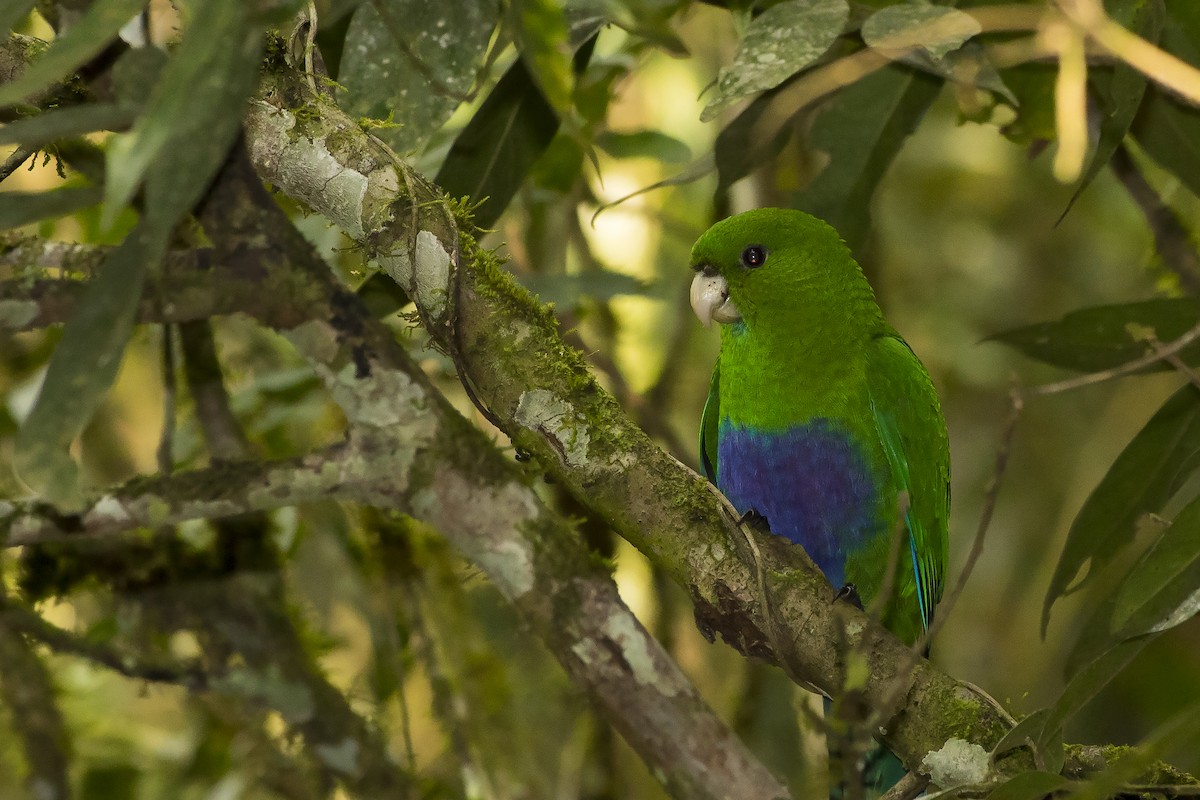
<point x="710" y="299"/>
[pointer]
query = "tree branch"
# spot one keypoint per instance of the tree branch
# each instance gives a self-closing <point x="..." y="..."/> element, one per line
<point x="193" y="285"/>
<point x="407" y="449"/>
<point x="543" y="396"/>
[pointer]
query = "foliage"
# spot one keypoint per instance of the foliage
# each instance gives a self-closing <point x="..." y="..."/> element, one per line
<point x="528" y="112"/>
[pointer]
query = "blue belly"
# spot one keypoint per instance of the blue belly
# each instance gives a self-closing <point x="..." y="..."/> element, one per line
<point x="811" y="482"/>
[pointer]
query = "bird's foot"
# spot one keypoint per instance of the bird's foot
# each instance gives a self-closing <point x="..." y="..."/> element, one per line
<point x="849" y="593"/>
<point x="755" y="520"/>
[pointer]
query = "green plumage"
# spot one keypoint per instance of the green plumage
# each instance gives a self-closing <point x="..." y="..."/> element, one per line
<point x="812" y="382"/>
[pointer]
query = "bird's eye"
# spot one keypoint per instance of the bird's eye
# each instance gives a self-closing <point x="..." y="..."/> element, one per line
<point x="754" y="256"/>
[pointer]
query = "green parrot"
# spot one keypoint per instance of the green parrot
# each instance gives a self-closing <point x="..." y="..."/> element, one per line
<point x="820" y="418"/>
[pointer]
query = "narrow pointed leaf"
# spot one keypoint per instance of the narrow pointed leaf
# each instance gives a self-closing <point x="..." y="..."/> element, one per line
<point x="545" y="39"/>
<point x="22" y="208"/>
<point x="82" y="368"/>
<point x="1088" y="682"/>
<point x="850" y="141"/>
<point x="82" y="41"/>
<point x="1166" y="127"/>
<point x="65" y="122"/>
<point x="1163" y="588"/>
<point x="1123" y="91"/>
<point x="1027" y="730"/>
<point x="1029" y="786"/>
<point x="856" y="137"/>
<point x="644" y="144"/>
<point x="494" y="153"/>
<point x="778" y="43"/>
<point x="192" y="115"/>
<point x="1151" y="468"/>
<point x="1103" y="337"/>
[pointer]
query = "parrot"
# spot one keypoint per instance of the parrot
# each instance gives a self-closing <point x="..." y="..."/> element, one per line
<point x="821" y="421"/>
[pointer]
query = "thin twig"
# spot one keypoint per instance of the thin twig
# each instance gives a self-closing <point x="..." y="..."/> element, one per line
<point x="1175" y="361"/>
<point x="223" y="434"/>
<point x="34" y="626"/>
<point x="15" y="160"/>
<point x="907" y="788"/>
<point x="985" y="518"/>
<point x="1155" y="355"/>
<point x="884" y="709"/>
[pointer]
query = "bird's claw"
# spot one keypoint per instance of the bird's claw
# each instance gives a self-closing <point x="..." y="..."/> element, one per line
<point x="755" y="520"/>
<point x="849" y="593"/>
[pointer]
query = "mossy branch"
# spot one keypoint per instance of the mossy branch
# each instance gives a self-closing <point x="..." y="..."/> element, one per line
<point x="542" y="395"/>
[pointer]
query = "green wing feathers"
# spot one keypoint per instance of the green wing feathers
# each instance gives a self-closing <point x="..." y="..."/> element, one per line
<point x="909" y="422"/>
<point x="709" y="424"/>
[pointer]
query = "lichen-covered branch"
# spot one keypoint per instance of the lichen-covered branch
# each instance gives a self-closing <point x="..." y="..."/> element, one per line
<point x="426" y="460"/>
<point x="543" y="396"/>
<point x="49" y="278"/>
<point x="407" y="449"/>
<point x="221" y="491"/>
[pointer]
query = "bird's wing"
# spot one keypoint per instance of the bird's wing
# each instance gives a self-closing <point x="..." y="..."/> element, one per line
<point x="909" y="421"/>
<point x="709" y="423"/>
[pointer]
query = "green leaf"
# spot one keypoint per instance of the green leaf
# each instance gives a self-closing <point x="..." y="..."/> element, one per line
<point x="12" y="12"/>
<point x="545" y="39"/>
<point x="495" y="151"/>
<point x="86" y="38"/>
<point x="1088" y="682"/>
<point x="598" y="284"/>
<point x="753" y="138"/>
<point x="692" y="172"/>
<point x="644" y="144"/>
<point x="935" y="29"/>
<point x="1102" y="337"/>
<point x="64" y="122"/>
<point x="135" y="74"/>
<point x="1032" y="85"/>
<point x="1151" y="468"/>
<point x="1162" y="589"/>
<point x="191" y="118"/>
<point x="22" y="208"/>
<point x="330" y="11"/>
<point x="1167" y="129"/>
<point x="779" y="42"/>
<point x="1027" y="730"/>
<point x="850" y="141"/>
<point x="856" y="136"/>
<point x="1029" y="786"/>
<point x="193" y="115"/>
<point x="413" y="62"/>
<point x="1044" y="727"/>
<point x="1122" y="93"/>
<point x="492" y="156"/>
<point x="82" y="368"/>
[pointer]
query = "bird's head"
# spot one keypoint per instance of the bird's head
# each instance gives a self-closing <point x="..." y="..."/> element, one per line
<point x="772" y="260"/>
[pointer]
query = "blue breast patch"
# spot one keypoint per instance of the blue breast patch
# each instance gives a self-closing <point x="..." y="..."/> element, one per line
<point x="811" y="482"/>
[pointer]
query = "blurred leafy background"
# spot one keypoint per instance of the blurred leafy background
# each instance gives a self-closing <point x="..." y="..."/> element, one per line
<point x="567" y="115"/>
